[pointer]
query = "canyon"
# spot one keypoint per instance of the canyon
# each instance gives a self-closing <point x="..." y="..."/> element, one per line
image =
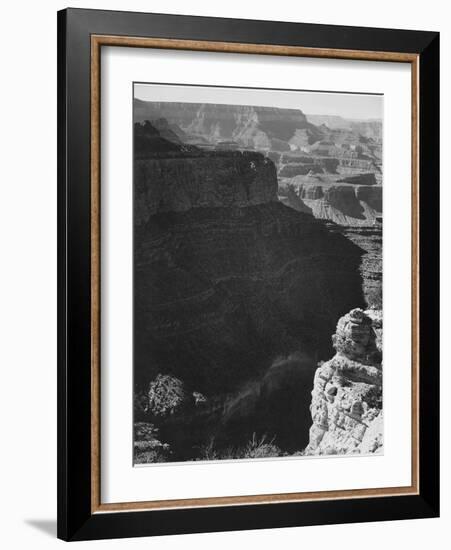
<point x="255" y="230"/>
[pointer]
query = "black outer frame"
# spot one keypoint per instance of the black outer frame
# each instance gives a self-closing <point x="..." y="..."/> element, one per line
<point x="75" y="520"/>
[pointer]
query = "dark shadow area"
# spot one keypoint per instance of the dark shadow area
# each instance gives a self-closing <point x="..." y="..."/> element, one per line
<point x="46" y="526"/>
<point x="220" y="293"/>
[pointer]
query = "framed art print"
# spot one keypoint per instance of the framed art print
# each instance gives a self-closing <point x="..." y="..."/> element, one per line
<point x="248" y="265"/>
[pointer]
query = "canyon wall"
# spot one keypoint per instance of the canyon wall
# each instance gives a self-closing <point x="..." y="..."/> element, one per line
<point x="366" y="128"/>
<point x="248" y="126"/>
<point x="220" y="292"/>
<point x="342" y="203"/>
<point x="227" y="278"/>
<point x="180" y="181"/>
<point x="354" y="211"/>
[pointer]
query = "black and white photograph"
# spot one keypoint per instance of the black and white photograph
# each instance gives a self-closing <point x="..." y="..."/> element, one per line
<point x="257" y="246"/>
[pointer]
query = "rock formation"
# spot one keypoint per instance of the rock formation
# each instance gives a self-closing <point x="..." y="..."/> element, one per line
<point x="366" y="128"/>
<point x="248" y="126"/>
<point x="342" y="203"/>
<point x="346" y="406"/>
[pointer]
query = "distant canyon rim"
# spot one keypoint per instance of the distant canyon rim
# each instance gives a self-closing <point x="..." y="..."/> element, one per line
<point x="257" y="258"/>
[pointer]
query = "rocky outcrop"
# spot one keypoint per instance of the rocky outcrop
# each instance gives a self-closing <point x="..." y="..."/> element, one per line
<point x="346" y="406"/>
<point x="171" y="176"/>
<point x="156" y="138"/>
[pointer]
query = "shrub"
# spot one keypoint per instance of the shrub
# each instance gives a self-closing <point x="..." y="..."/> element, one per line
<point x="261" y="448"/>
<point x="255" y="448"/>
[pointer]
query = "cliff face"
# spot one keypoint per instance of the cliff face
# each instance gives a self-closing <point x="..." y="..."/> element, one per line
<point x="344" y="204"/>
<point x="346" y="406"/>
<point x="248" y="126"/>
<point x="369" y="239"/>
<point x="183" y="180"/>
<point x="335" y="163"/>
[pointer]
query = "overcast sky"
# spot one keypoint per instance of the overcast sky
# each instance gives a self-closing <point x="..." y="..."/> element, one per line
<point x="345" y="105"/>
<point x="356" y="106"/>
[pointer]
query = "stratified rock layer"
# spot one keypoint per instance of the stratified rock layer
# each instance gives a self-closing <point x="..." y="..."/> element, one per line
<point x="342" y="203"/>
<point x="346" y="405"/>
<point x="364" y="128"/>
<point x="369" y="239"/>
<point x="225" y="125"/>
<point x="182" y="180"/>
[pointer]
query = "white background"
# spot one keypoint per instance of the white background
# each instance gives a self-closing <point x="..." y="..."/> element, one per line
<point x="120" y="482"/>
<point x="28" y="274"/>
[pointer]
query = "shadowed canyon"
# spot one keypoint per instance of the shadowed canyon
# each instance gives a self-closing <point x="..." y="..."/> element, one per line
<point x="257" y="236"/>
